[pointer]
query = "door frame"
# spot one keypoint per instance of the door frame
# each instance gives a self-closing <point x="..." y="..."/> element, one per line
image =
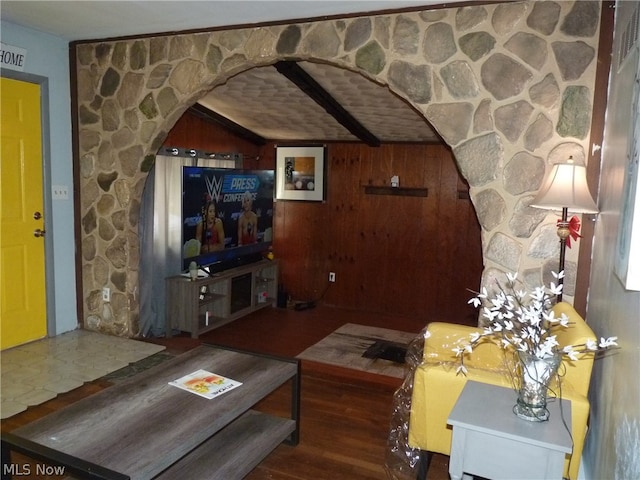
<point x="43" y="82"/>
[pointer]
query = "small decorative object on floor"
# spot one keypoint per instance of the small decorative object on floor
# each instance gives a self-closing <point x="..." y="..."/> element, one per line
<point x="526" y="327"/>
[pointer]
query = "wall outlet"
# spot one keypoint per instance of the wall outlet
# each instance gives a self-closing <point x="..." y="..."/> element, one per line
<point x="106" y="294"/>
<point x="332" y="277"/>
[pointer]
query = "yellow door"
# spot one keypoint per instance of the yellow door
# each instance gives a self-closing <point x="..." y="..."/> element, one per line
<point x="22" y="277"/>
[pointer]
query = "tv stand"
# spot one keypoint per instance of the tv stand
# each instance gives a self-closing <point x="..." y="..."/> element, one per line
<point x="210" y="302"/>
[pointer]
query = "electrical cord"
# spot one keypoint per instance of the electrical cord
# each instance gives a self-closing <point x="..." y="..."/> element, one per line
<point x="558" y="396"/>
<point x="312" y="303"/>
<point x="562" y="370"/>
<point x="564" y="421"/>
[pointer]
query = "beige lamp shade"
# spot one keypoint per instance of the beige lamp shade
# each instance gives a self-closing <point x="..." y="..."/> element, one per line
<point x="566" y="187"/>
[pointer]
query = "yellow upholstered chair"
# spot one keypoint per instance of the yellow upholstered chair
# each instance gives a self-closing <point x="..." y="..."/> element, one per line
<point x="436" y="386"/>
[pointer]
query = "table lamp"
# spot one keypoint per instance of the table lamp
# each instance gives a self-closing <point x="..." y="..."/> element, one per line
<point x="566" y="189"/>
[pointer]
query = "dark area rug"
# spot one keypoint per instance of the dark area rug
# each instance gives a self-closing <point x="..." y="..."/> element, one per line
<point x="385" y="350"/>
<point x="137" y="367"/>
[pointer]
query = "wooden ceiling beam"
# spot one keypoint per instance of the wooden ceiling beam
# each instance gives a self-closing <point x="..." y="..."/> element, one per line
<point x="203" y="112"/>
<point x="299" y="77"/>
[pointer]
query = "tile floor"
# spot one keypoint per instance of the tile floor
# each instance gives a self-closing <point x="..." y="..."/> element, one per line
<point x="36" y="372"/>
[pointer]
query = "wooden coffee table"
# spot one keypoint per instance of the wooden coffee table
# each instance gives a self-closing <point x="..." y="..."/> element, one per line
<point x="145" y="428"/>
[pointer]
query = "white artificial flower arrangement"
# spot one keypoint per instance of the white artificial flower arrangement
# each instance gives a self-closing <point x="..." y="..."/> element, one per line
<point x="525" y="322"/>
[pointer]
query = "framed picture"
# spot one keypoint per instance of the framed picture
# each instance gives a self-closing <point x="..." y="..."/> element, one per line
<point x="300" y="173"/>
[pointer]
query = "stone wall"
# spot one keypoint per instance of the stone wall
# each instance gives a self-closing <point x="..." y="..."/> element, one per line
<point x="509" y="87"/>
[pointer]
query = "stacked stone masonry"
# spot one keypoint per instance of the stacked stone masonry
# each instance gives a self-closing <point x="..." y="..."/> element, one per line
<point x="508" y="86"/>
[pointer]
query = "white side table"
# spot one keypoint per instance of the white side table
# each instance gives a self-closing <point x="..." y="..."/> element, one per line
<point x="489" y="440"/>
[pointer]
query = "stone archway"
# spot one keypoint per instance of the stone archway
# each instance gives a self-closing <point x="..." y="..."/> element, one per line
<point x="509" y="87"/>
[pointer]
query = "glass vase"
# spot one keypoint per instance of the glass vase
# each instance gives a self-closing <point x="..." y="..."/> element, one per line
<point x="534" y="376"/>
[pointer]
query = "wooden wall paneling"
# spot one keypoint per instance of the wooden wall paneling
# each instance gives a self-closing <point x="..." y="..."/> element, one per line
<point x="394" y="240"/>
<point x="338" y="213"/>
<point x="474" y="259"/>
<point x="278" y="243"/>
<point x="395" y="213"/>
<point x="304" y="228"/>
<point x="301" y="239"/>
<point x="191" y="131"/>
<point x="373" y="229"/>
<point x="474" y="266"/>
<point x="445" y="238"/>
<point x="458" y="292"/>
<point x="404" y="246"/>
<point x="318" y="245"/>
<point x="411" y="256"/>
<point x="267" y="157"/>
<point x="407" y="253"/>
<point x="438" y="275"/>
<point x="460" y="240"/>
<point x="432" y="163"/>
<point x="470" y="257"/>
<point x="345" y="174"/>
<point x="418" y="232"/>
<point x="295" y="234"/>
<point x="378" y="165"/>
<point x="344" y="209"/>
<point x="285" y="247"/>
<point x="360" y="234"/>
<point x="385" y="217"/>
<point x="429" y="256"/>
<point x="267" y="161"/>
<point x="407" y="276"/>
<point x="453" y="226"/>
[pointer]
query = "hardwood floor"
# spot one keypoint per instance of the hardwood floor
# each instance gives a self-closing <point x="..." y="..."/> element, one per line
<point x="345" y="414"/>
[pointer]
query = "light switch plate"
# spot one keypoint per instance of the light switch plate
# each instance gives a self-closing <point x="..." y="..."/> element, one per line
<point x="60" y="192"/>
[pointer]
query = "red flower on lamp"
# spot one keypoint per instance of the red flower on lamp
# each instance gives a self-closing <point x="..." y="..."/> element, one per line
<point x="570" y="229"/>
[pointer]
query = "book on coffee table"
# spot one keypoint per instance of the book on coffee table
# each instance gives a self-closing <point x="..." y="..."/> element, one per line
<point x="205" y="384"/>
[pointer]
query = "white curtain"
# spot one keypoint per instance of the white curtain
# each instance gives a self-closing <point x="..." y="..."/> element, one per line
<point x="160" y="231"/>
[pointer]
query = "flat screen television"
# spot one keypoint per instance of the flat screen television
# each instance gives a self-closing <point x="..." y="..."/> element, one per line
<point x="227" y="216"/>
